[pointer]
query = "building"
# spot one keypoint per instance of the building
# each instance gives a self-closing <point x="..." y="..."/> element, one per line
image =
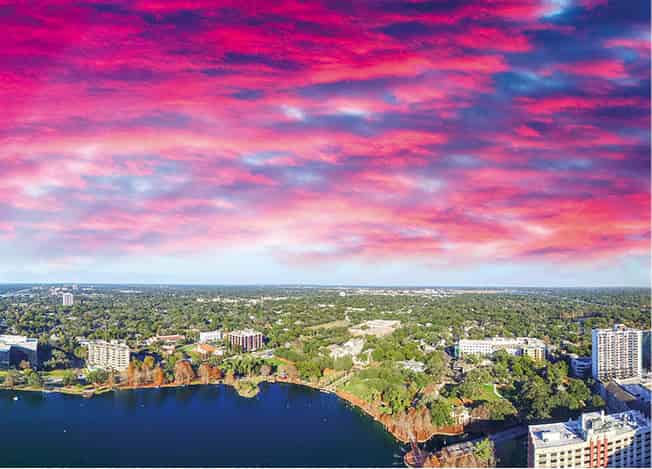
<point x="206" y="350"/>
<point x="246" y="340"/>
<point x="351" y="348"/>
<point x="17" y="348"/>
<point x="68" y="299"/>
<point x="413" y="366"/>
<point x="593" y="440"/>
<point x="622" y="395"/>
<point x="105" y="355"/>
<point x="376" y="327"/>
<point x="527" y="346"/>
<point x="580" y="366"/>
<point x="616" y="353"/>
<point x="166" y="339"/>
<point x="210" y="336"/>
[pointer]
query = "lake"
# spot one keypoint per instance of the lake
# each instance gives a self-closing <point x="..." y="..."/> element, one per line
<point x="285" y="425"/>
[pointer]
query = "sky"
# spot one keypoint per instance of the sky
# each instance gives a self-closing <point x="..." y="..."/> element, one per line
<point x="380" y="142"/>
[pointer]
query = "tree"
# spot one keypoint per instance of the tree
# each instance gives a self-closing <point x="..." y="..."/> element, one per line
<point x="158" y="376"/>
<point x="149" y="362"/>
<point x="33" y="379"/>
<point x="204" y="373"/>
<point x="265" y="370"/>
<point x="97" y="377"/>
<point x="484" y="451"/>
<point x="343" y="363"/>
<point x="183" y="372"/>
<point x="69" y="378"/>
<point x="440" y="413"/>
<point x="10" y="379"/>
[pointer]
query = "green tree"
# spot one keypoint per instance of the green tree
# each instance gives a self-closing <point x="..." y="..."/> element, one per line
<point x="440" y="413"/>
<point x="484" y="451"/>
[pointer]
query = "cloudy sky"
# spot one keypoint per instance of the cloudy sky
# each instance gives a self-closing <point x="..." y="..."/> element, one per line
<point x="375" y="142"/>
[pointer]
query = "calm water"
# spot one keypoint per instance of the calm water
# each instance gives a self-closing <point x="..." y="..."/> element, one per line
<point x="284" y="425"/>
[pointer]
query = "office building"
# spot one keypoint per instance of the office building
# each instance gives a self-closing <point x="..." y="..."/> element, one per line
<point x="105" y="355"/>
<point x="526" y="346"/>
<point x="246" y="340"/>
<point x="593" y="440"/>
<point x="616" y="353"/>
<point x="17" y="348"/>
<point x="621" y="395"/>
<point x="68" y="299"/>
<point x="580" y="367"/>
<point x="210" y="336"/>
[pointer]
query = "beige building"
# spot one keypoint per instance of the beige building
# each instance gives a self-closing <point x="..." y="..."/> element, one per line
<point x="616" y="353"/>
<point x="528" y="346"/>
<point x="246" y="340"/>
<point x="112" y="355"/>
<point x="593" y="440"/>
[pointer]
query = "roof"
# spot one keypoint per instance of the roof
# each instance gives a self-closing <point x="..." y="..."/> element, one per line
<point x="589" y="424"/>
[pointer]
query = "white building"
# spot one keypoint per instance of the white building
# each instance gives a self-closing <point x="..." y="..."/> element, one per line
<point x="105" y="355"/>
<point x="593" y="440"/>
<point x="529" y="346"/>
<point x="68" y="299"/>
<point x="210" y="336"/>
<point x="616" y="353"/>
<point x="413" y="366"/>
<point x="351" y="348"/>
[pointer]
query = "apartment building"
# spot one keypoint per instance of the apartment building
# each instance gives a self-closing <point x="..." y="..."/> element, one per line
<point x="527" y="346"/>
<point x="593" y="440"/>
<point x="616" y="353"/>
<point x="68" y="299"/>
<point x="246" y="340"/>
<point x="112" y="355"/>
<point x="210" y="336"/>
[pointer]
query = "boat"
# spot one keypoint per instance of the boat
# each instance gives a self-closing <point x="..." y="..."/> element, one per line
<point x="15" y="398"/>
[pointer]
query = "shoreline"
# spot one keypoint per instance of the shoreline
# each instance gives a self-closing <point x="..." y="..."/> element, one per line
<point x="89" y="393"/>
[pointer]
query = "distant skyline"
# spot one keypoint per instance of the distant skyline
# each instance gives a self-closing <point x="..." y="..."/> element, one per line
<point x="370" y="143"/>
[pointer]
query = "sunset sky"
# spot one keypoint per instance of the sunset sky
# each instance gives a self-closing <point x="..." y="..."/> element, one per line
<point x="378" y="142"/>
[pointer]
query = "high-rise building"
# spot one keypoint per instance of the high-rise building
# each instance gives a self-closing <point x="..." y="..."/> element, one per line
<point x="616" y="353"/>
<point x="68" y="299"/>
<point x="247" y="340"/>
<point x="529" y="346"/>
<point x="593" y="440"/>
<point x="210" y="336"/>
<point x="112" y="355"/>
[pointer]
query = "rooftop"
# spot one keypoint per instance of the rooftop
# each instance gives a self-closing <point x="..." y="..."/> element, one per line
<point x="505" y="341"/>
<point x="589" y="424"/>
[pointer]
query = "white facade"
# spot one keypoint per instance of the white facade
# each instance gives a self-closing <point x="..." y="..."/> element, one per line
<point x="68" y="299"/>
<point x="112" y="355"/>
<point x="534" y="348"/>
<point x="593" y="440"/>
<point x="351" y="348"/>
<point x="616" y="353"/>
<point x="210" y="336"/>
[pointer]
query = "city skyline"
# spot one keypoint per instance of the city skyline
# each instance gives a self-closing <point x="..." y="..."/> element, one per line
<point x="372" y="143"/>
